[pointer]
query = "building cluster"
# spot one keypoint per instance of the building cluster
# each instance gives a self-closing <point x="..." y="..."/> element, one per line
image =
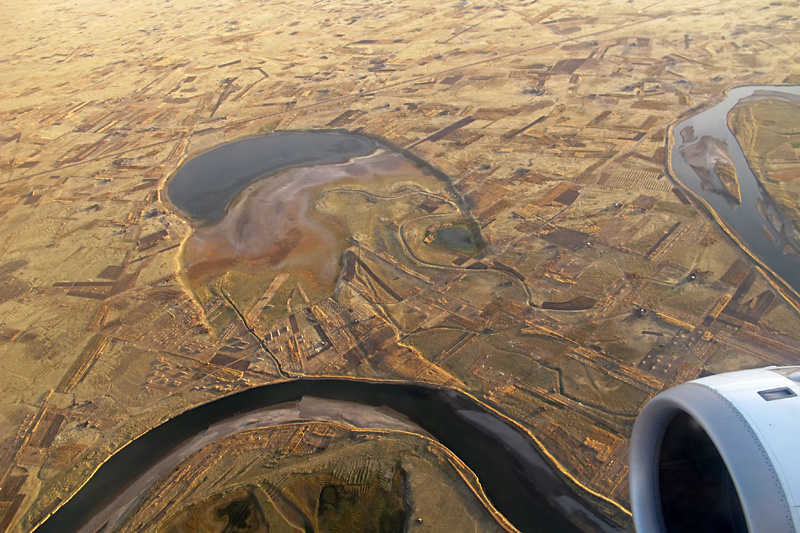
<point x="600" y="285"/>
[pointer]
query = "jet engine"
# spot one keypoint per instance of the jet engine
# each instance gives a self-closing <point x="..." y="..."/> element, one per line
<point x="720" y="453"/>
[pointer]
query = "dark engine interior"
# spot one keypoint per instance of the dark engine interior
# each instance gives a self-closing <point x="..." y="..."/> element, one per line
<point x="697" y="492"/>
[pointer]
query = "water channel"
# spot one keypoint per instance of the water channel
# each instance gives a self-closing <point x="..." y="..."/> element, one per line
<point x="518" y="481"/>
<point x="756" y="221"/>
<point x="513" y="474"/>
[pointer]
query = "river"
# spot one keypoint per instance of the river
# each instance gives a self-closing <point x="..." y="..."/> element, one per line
<point x="515" y="477"/>
<point x="756" y="221"/>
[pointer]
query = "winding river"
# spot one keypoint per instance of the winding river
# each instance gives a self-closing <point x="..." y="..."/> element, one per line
<point x="516" y="478"/>
<point x="755" y="220"/>
<point x="518" y="481"/>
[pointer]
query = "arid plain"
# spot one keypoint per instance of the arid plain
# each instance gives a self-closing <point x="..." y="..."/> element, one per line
<point x="595" y="282"/>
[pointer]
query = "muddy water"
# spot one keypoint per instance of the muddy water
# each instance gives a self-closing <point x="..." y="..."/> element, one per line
<point x="273" y="225"/>
<point x="459" y="237"/>
<point x="205" y="185"/>
<point x="254" y="204"/>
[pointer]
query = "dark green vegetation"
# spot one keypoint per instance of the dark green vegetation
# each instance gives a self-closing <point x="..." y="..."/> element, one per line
<point x="243" y="514"/>
<point x="369" y="499"/>
<point x="463" y="237"/>
<point x="375" y="506"/>
<point x="235" y="512"/>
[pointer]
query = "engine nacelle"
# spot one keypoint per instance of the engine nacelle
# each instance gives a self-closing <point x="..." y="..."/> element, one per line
<point x="721" y="453"/>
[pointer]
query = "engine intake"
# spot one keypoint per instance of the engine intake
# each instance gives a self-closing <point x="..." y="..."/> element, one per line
<point x="721" y="453"/>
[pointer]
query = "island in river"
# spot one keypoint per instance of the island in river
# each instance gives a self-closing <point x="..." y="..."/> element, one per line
<point x="768" y="129"/>
<point x="261" y="228"/>
<point x="705" y="153"/>
<point x="595" y="285"/>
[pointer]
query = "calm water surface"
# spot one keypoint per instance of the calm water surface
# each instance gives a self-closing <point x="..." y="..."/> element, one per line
<point x="514" y="476"/>
<point x="205" y="185"/>
<point x="756" y="221"/>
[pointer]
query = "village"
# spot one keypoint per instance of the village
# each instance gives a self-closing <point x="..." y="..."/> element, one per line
<point x="598" y="282"/>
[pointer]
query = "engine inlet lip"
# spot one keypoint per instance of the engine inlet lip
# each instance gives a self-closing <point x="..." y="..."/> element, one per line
<point x="761" y="493"/>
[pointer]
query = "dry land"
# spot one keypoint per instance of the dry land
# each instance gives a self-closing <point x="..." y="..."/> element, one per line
<point x="323" y="475"/>
<point x="768" y="129"/>
<point x="594" y="285"/>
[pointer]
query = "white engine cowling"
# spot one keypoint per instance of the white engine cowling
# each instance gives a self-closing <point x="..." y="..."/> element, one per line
<point x="721" y="453"/>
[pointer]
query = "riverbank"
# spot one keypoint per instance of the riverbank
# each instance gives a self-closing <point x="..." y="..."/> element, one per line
<point x="755" y="217"/>
<point x="505" y="461"/>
